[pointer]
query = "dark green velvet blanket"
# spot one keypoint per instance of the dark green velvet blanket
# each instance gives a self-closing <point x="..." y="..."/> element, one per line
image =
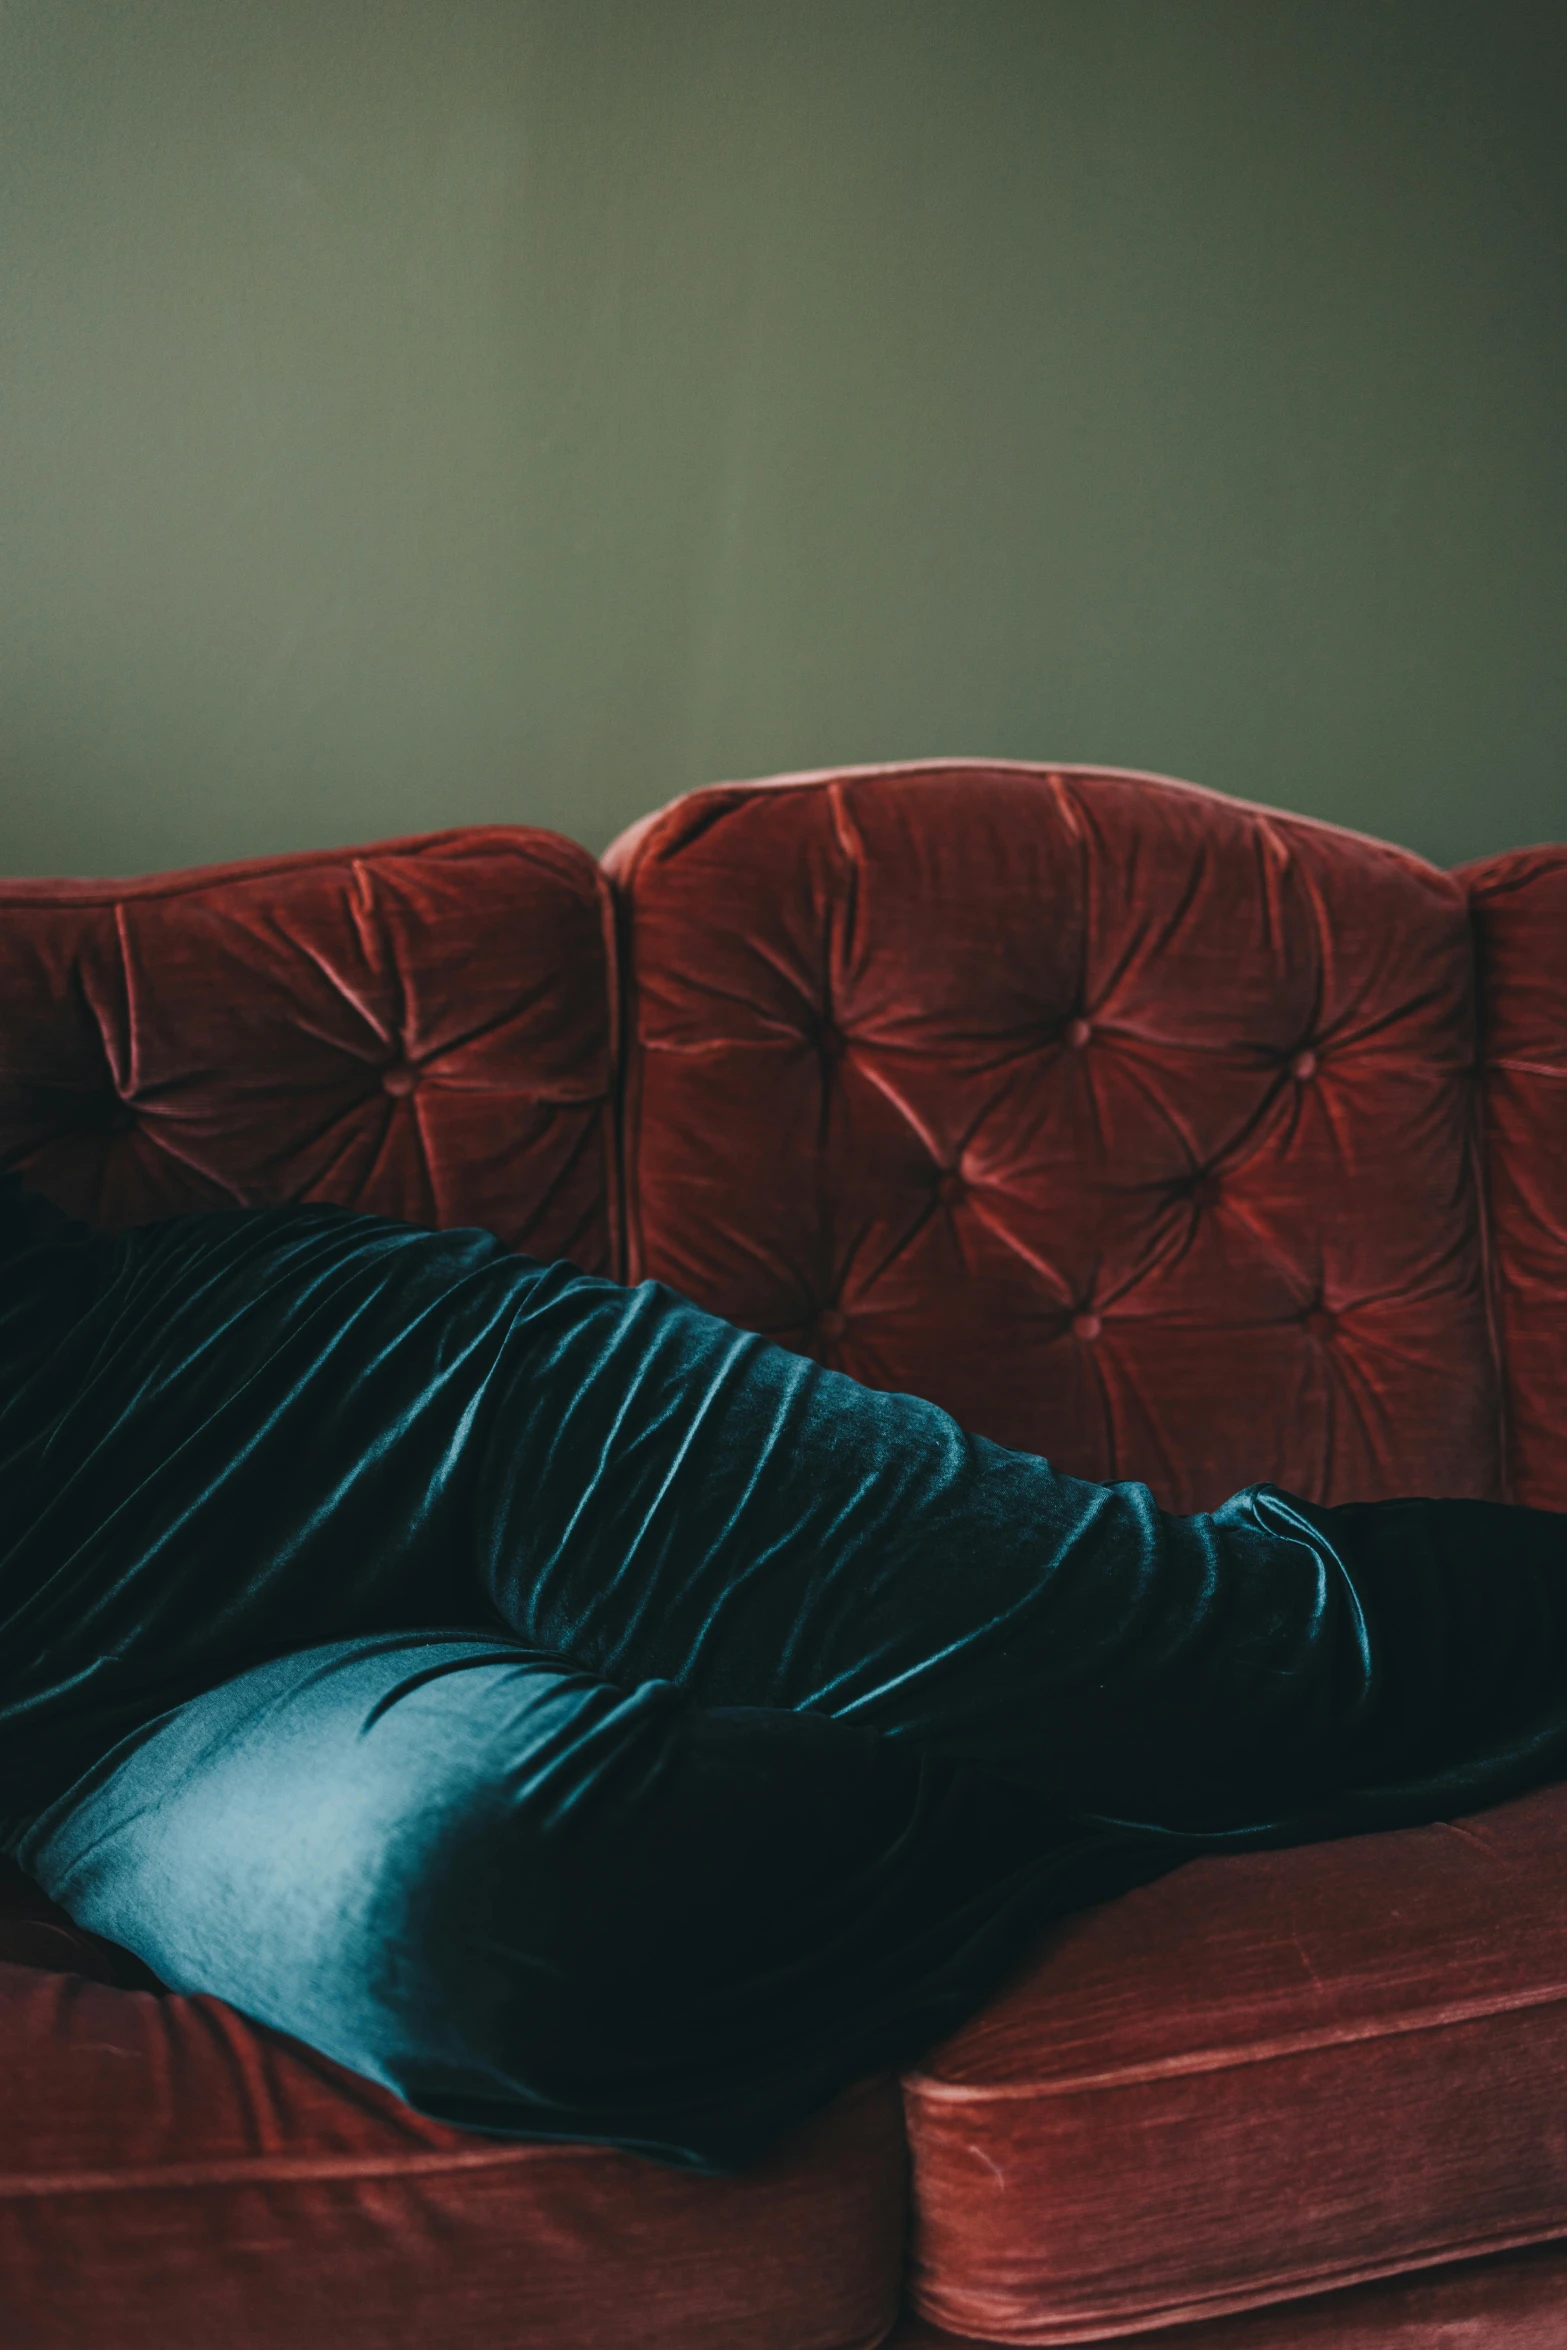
<point x="327" y="1544"/>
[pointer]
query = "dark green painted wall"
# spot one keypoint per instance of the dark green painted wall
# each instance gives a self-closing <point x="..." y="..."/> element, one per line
<point x="416" y="413"/>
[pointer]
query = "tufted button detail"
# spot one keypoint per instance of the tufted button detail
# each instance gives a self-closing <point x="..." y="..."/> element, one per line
<point x="1320" y="1325"/>
<point x="950" y="1187"/>
<point x="831" y="1323"/>
<point x="829" y="1041"/>
<point x="1044" y="900"/>
<point x="1086" y="1326"/>
<point x="399" y="1078"/>
<point x="1204" y="1193"/>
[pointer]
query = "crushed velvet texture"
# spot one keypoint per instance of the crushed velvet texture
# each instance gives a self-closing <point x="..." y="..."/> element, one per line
<point x="1255" y="1372"/>
<point x="1129" y="1123"/>
<point x="264" y="1431"/>
<point x="424" y="1029"/>
<point x="1520" y="915"/>
<point x="36" y="1932"/>
<point x="172" y="2178"/>
<point x="1254" y="2080"/>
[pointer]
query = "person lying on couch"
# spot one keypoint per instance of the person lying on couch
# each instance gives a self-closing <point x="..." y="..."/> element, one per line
<point x="594" y="1721"/>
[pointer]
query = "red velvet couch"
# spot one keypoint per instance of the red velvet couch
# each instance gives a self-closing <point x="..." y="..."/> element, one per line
<point x="1173" y="1137"/>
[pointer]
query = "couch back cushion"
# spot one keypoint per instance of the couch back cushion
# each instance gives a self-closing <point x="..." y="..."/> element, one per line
<point x="1520" y="914"/>
<point x="1129" y="1122"/>
<point x="423" y="1029"/>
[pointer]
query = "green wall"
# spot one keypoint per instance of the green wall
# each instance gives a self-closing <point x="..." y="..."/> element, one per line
<point x="421" y="411"/>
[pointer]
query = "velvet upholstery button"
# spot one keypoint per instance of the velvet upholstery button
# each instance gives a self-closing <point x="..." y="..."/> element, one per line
<point x="1204" y="1192"/>
<point x="950" y="1187"/>
<point x="1086" y="1326"/>
<point x="399" y="1078"/>
<point x="1320" y="1325"/>
<point x="1304" y="1067"/>
<point x="831" y="1323"/>
<point x="1077" y="1033"/>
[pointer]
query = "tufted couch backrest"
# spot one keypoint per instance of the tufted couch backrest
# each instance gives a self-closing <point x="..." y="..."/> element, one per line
<point x="1136" y="1125"/>
<point x="1133" y="1124"/>
<point x="424" y="1029"/>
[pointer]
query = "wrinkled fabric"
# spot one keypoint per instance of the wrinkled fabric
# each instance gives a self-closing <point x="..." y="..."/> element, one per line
<point x="752" y="1713"/>
<point x="537" y="1904"/>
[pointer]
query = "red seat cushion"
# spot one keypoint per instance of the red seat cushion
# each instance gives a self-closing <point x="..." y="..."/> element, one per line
<point x="421" y="1029"/>
<point x="1520" y="913"/>
<point x="1259" y="2078"/>
<point x="1511" y="2301"/>
<point x="1128" y="1122"/>
<point x="172" y="2175"/>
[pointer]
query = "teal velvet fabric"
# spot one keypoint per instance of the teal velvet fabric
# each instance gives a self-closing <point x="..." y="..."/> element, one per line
<point x="544" y="1906"/>
<point x="596" y="1721"/>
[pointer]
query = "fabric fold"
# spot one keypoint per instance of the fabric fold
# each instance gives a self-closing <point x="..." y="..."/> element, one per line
<point x="233" y="1443"/>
